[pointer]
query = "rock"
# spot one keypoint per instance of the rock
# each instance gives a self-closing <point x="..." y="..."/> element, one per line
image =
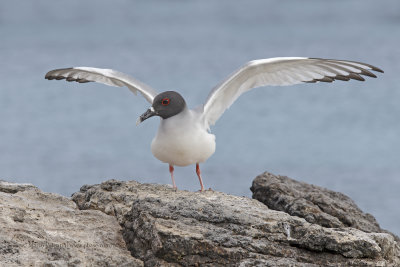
<point x="44" y="229"/>
<point x="131" y="224"/>
<point x="313" y="203"/>
<point x="164" y="227"/>
<point x="13" y="188"/>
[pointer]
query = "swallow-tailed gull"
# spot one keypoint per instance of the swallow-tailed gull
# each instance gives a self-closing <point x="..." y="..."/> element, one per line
<point x="183" y="137"/>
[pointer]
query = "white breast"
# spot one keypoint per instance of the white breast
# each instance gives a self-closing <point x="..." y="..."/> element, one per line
<point x="182" y="140"/>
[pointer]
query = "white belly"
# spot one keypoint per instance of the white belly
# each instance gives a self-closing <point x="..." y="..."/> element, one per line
<point x="182" y="140"/>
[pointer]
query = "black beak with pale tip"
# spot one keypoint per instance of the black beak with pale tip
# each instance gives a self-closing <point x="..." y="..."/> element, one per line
<point x="165" y="105"/>
<point x="149" y="113"/>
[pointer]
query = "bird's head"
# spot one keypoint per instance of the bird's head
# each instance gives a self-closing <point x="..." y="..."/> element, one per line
<point x="165" y="105"/>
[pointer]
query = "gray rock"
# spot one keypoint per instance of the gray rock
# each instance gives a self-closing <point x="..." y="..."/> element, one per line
<point x="313" y="203"/>
<point x="163" y="227"/>
<point x="44" y="229"/>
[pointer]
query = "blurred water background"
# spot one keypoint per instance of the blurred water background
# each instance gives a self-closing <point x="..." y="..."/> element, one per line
<point x="343" y="136"/>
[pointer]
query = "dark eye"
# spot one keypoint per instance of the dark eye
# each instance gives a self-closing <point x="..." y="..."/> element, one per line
<point x="165" y="101"/>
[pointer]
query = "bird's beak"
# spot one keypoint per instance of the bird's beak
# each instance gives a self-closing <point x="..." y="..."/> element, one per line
<point x="149" y="113"/>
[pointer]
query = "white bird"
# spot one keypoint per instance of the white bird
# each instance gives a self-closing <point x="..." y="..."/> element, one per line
<point x="184" y="137"/>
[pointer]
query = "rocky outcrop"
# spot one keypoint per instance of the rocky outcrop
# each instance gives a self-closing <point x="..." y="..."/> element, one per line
<point x="44" y="229"/>
<point x="119" y="223"/>
<point x="315" y="204"/>
<point x="164" y="227"/>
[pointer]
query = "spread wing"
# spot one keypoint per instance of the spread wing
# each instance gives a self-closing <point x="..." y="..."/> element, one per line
<point x="280" y="71"/>
<point x="105" y="76"/>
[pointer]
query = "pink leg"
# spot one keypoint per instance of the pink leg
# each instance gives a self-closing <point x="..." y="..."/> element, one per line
<point x="171" y="171"/>
<point x="199" y="175"/>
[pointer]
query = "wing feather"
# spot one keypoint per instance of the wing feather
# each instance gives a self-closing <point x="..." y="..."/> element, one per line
<point x="104" y="76"/>
<point x="280" y="71"/>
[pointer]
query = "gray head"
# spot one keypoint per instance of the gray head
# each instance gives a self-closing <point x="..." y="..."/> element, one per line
<point x="165" y="105"/>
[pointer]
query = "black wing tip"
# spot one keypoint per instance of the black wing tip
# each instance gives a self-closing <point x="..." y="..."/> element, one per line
<point x="377" y="69"/>
<point x="351" y="75"/>
<point x="357" y="62"/>
<point x="368" y="73"/>
<point x="329" y="79"/>
<point x="50" y="76"/>
<point x="355" y="76"/>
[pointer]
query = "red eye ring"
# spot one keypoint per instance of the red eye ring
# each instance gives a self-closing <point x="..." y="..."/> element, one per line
<point x="165" y="101"/>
